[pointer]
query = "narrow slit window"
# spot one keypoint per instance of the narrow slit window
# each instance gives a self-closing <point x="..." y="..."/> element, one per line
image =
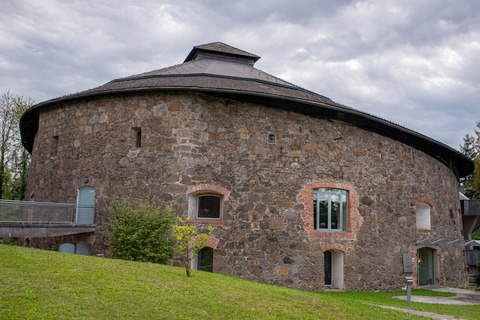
<point x="54" y="146"/>
<point x="138" y="136"/>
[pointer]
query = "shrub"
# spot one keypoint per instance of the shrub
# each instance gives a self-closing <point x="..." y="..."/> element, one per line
<point x="9" y="241"/>
<point x="141" y="231"/>
<point x="189" y="241"/>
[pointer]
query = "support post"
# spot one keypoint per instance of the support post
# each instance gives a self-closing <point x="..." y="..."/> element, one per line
<point x="409" y="282"/>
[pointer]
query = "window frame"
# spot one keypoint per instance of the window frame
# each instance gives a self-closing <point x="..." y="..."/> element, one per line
<point x="197" y="205"/>
<point x="194" y="202"/>
<point x="343" y="214"/>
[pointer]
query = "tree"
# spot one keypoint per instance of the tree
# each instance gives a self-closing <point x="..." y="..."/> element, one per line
<point x="471" y="148"/>
<point x="14" y="160"/>
<point x="141" y="231"/>
<point x="189" y="241"/>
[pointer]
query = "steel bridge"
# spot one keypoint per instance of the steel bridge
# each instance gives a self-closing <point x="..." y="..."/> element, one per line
<point x="44" y="219"/>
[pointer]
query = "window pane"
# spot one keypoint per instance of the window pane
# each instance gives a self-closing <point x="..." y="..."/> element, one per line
<point x="323" y="208"/>
<point x="209" y="207"/>
<point x="330" y="209"/>
<point x="335" y="211"/>
<point x="344" y="212"/>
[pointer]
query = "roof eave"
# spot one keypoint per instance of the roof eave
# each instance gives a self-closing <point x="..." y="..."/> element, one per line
<point x="457" y="162"/>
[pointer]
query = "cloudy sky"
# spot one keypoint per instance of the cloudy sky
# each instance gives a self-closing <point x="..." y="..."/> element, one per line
<point x="413" y="62"/>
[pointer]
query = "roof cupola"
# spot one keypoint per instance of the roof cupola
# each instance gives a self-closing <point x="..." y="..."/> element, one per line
<point x="221" y="51"/>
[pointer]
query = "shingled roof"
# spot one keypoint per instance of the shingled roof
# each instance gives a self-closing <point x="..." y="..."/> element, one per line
<point x="225" y="71"/>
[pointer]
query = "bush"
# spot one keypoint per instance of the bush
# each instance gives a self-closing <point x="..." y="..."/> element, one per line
<point x="9" y="241"/>
<point x="141" y="231"/>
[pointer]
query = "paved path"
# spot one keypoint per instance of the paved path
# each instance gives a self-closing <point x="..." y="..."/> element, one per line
<point x="463" y="297"/>
<point x="430" y="315"/>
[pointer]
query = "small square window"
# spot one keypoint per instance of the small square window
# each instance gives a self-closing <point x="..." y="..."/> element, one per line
<point x="208" y="207"/>
<point x="271" y="138"/>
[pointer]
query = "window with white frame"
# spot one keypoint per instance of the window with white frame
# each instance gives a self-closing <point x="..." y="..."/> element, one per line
<point x="330" y="208"/>
<point x="205" y="206"/>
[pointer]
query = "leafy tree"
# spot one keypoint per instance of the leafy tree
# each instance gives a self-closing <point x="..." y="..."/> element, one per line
<point x="141" y="231"/>
<point x="471" y="148"/>
<point x="19" y="182"/>
<point x="189" y="241"/>
<point x="476" y="234"/>
<point x="14" y="160"/>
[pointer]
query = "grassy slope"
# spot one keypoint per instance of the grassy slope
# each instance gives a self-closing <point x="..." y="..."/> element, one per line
<point x="36" y="284"/>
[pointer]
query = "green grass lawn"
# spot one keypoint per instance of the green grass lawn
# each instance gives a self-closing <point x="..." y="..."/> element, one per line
<point x="37" y="284"/>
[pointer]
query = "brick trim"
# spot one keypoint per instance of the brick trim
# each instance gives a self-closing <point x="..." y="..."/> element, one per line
<point x="355" y="220"/>
<point x="334" y="246"/>
<point x="206" y="187"/>
<point x="207" y="222"/>
<point x="212" y="242"/>
<point x="425" y="200"/>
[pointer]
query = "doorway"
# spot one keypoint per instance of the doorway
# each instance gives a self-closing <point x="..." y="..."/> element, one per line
<point x="333" y="269"/>
<point x="86" y="205"/>
<point x="426" y="266"/>
<point x="205" y="259"/>
<point x="327" y="270"/>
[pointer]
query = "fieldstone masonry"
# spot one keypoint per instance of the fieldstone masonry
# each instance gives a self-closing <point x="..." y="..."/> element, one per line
<point x="266" y="232"/>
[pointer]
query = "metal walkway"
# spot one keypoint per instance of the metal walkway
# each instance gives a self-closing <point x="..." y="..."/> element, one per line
<point x="44" y="219"/>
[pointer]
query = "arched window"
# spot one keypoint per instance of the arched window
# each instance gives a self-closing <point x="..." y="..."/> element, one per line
<point x="205" y="206"/>
<point x="209" y="206"/>
<point x="205" y="203"/>
<point x="422" y="214"/>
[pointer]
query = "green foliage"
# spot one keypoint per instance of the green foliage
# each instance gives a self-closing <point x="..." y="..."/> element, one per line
<point x="476" y="234"/>
<point x="471" y="148"/>
<point x="141" y="231"/>
<point x="9" y="241"/>
<point x="189" y="241"/>
<point x="14" y="159"/>
<point x="39" y="284"/>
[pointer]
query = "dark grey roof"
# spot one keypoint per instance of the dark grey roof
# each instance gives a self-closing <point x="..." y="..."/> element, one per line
<point x="222" y="49"/>
<point x="221" y="70"/>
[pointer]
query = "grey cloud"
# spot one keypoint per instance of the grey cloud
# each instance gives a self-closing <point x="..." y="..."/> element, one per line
<point x="411" y="62"/>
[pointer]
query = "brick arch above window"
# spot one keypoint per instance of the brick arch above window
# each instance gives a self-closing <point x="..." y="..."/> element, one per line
<point x="206" y="188"/>
<point x="425" y="200"/>
<point x="334" y="246"/>
<point x="355" y="220"/>
<point x="212" y="242"/>
<point x="423" y="206"/>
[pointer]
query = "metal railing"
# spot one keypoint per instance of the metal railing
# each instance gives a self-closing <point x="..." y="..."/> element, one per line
<point x="31" y="212"/>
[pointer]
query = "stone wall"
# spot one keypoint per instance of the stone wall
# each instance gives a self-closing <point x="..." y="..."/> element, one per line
<point x="265" y="234"/>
